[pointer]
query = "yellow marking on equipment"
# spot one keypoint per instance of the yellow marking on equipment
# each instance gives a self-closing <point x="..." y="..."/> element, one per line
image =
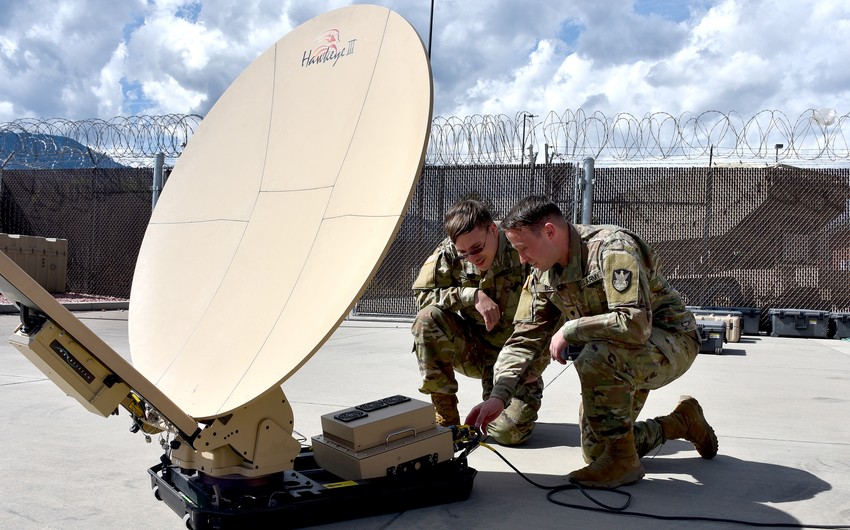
<point x="343" y="484"/>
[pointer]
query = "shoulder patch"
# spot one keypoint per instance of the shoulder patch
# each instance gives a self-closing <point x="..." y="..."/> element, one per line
<point x="427" y="278"/>
<point x="525" y="307"/>
<point x="621" y="278"/>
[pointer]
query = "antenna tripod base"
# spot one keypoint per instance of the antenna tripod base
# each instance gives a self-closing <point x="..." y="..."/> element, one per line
<point x="304" y="496"/>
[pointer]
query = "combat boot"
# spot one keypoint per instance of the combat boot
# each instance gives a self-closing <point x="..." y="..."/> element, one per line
<point x="687" y="421"/>
<point x="445" y="406"/>
<point x="617" y="465"/>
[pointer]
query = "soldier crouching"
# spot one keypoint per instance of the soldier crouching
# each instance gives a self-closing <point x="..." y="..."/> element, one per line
<point x="468" y="291"/>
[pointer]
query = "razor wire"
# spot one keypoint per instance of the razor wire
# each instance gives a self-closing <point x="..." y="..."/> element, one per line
<point x="815" y="137"/>
<point x="122" y="140"/>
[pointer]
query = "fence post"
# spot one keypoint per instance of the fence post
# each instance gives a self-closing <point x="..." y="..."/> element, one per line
<point x="587" y="196"/>
<point x="578" y="189"/>
<point x="159" y="162"/>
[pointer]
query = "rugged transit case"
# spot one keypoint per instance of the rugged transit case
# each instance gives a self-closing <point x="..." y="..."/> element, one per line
<point x="711" y="334"/>
<point x="751" y="317"/>
<point x="733" y="320"/>
<point x="798" y="323"/>
<point x="839" y="325"/>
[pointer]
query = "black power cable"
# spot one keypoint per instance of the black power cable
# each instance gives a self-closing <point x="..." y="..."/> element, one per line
<point x="620" y="510"/>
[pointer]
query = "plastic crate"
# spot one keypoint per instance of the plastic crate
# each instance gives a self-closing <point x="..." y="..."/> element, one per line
<point x="839" y="325"/>
<point x="750" y="317"/>
<point x="44" y="259"/>
<point x="798" y="323"/>
<point x="733" y="320"/>
<point x="711" y="335"/>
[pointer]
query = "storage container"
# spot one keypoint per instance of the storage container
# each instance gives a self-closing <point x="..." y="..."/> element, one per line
<point x="45" y="259"/>
<point x="750" y="317"/>
<point x="733" y="321"/>
<point x="839" y="325"/>
<point x="711" y="334"/>
<point x="798" y="323"/>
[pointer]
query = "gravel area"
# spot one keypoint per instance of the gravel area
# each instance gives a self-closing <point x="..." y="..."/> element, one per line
<point x="68" y="298"/>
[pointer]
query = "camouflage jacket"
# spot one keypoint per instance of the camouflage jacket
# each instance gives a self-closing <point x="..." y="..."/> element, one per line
<point x="450" y="283"/>
<point x="612" y="290"/>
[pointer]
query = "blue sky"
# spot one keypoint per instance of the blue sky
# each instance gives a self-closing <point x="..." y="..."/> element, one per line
<point x="79" y="59"/>
<point x="675" y="10"/>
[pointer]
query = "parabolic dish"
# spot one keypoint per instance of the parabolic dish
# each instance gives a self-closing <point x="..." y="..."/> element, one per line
<point x="280" y="209"/>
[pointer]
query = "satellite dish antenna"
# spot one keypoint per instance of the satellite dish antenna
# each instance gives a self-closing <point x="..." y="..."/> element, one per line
<point x="280" y="209"/>
<point x="273" y="222"/>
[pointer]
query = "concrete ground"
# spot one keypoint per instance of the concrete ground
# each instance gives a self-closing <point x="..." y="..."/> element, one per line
<point x="780" y="407"/>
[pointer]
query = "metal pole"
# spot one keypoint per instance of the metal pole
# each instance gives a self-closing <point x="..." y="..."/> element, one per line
<point x="525" y="116"/>
<point x="706" y="232"/>
<point x="522" y="144"/>
<point x="159" y="162"/>
<point x="587" y="199"/>
<point x="430" y="30"/>
<point x="578" y="189"/>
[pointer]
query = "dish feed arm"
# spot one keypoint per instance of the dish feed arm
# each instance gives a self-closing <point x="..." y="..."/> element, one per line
<point x="253" y="440"/>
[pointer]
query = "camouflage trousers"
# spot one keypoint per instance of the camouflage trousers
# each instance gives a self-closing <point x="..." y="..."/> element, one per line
<point x="445" y="343"/>
<point x="616" y="380"/>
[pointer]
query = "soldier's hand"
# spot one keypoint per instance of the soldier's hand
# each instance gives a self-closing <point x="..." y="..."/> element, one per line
<point x="556" y="346"/>
<point x="482" y="414"/>
<point x="488" y="309"/>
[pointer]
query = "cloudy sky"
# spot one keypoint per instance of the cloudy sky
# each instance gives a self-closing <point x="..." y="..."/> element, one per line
<point x="80" y="59"/>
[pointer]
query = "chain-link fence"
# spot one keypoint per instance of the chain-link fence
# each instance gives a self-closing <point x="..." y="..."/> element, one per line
<point x="102" y="213"/>
<point x="438" y="188"/>
<point x="768" y="235"/>
<point x="763" y="237"/>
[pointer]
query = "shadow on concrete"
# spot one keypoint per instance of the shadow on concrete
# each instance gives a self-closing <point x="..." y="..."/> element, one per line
<point x="724" y="491"/>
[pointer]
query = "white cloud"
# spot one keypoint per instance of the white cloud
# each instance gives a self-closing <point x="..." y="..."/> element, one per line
<point x="7" y="112"/>
<point x="108" y="92"/>
<point x="95" y="58"/>
<point x="169" y="94"/>
<point x="734" y="56"/>
<point x="55" y="63"/>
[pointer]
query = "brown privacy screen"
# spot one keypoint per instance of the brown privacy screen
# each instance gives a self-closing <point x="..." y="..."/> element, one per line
<point x="764" y="237"/>
<point x="101" y="212"/>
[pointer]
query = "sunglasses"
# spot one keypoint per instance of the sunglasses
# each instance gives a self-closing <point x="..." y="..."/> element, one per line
<point x="478" y="249"/>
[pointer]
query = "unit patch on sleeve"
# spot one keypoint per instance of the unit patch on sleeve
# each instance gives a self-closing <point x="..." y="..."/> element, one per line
<point x="525" y="307"/>
<point x="427" y="278"/>
<point x="621" y="278"/>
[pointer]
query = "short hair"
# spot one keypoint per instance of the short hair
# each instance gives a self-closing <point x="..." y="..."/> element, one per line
<point x="531" y="212"/>
<point x="465" y="216"/>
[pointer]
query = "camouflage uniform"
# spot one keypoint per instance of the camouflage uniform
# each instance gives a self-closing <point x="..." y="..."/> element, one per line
<point x="634" y="330"/>
<point x="450" y="334"/>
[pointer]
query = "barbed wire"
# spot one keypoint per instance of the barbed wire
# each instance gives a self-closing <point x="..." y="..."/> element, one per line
<point x="816" y="136"/>
<point x="770" y="135"/>
<point x="123" y="140"/>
